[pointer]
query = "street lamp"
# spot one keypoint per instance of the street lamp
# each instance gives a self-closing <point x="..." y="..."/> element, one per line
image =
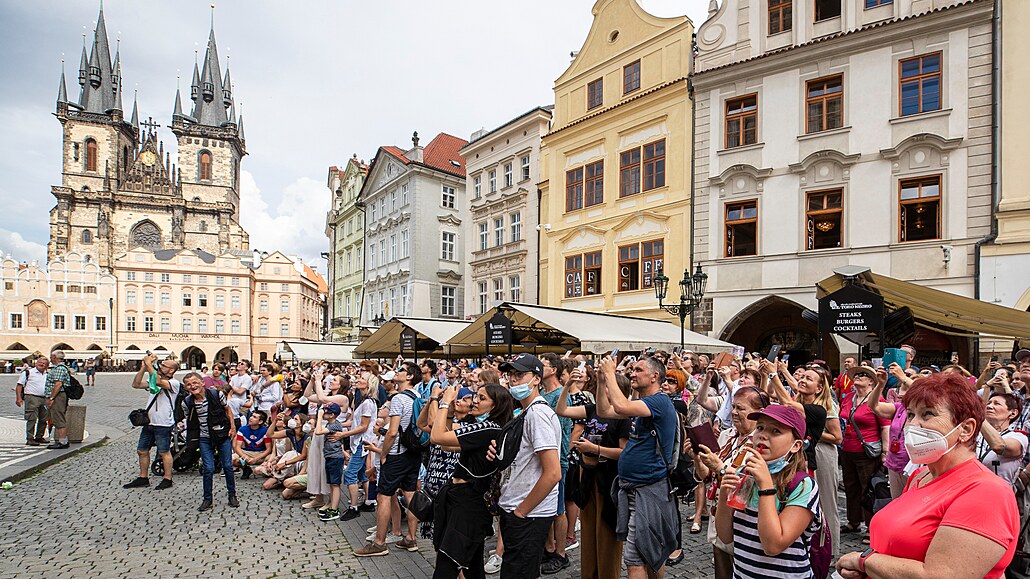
<point x="378" y="320"/>
<point x="692" y="291"/>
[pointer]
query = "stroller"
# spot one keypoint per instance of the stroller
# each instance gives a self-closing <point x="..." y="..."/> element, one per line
<point x="185" y="457"/>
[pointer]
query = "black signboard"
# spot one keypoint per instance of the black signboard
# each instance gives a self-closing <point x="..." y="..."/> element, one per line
<point x="498" y="330"/>
<point x="851" y="309"/>
<point x="408" y="338"/>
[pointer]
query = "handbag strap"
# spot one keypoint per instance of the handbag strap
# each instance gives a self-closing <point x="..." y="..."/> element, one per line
<point x="154" y="399"/>
<point x="851" y="415"/>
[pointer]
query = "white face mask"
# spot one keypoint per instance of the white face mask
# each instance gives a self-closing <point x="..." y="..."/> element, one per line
<point x="292" y="423"/>
<point x="926" y="446"/>
<point x="307" y="428"/>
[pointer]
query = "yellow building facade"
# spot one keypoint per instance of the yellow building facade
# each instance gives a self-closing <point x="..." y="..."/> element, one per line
<point x="615" y="175"/>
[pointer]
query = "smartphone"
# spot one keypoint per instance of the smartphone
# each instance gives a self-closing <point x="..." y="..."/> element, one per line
<point x="723" y="359"/>
<point x="774" y="352"/>
<point x="676" y="350"/>
<point x="615" y="354"/>
<point x="877" y="363"/>
<point x="993" y="358"/>
<point x="894" y="356"/>
<point x="785" y="357"/>
<point x="651" y="350"/>
<point x="582" y="365"/>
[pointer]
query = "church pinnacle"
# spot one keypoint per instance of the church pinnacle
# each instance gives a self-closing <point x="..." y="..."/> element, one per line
<point x="100" y="80"/>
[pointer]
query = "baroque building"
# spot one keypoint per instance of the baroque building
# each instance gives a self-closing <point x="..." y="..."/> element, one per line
<point x="120" y="188"/>
<point x="345" y="228"/>
<point x="503" y="168"/>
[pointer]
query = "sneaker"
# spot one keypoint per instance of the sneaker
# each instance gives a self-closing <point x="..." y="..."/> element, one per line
<point x="42" y="440"/>
<point x="57" y="446"/>
<point x="372" y="549"/>
<point x="371" y="529"/>
<point x="204" y="505"/>
<point x="139" y="483"/>
<point x="164" y="484"/>
<point x="351" y="513"/>
<point x="406" y="545"/>
<point x="246" y="472"/>
<point x="368" y="507"/>
<point x="571" y="543"/>
<point x="493" y="564"/>
<point x="233" y="501"/>
<point x="329" y="515"/>
<point x="553" y="563"/>
<point x="313" y="504"/>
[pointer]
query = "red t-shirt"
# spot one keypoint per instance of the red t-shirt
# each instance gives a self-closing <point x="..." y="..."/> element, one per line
<point x="907" y="525"/>
<point x="867" y="421"/>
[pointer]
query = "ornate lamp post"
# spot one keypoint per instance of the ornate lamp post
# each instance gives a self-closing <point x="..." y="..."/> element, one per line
<point x="692" y="291"/>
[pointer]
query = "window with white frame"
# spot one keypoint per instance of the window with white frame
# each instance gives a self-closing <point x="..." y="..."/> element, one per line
<point x="263" y="329"/>
<point x="382" y="251"/>
<point x="509" y="176"/>
<point x="393" y="201"/>
<point x="372" y="256"/>
<point x="493" y="180"/>
<point x="148" y="276"/>
<point x="516" y="227"/>
<point x="187" y="299"/>
<point x="349" y="262"/>
<point x="148" y="323"/>
<point x="59" y="322"/>
<point x="404" y="194"/>
<point x="284" y="287"/>
<point x="404" y="300"/>
<point x="166" y="298"/>
<point x="448" y="197"/>
<point x="219" y="326"/>
<point x="202" y="300"/>
<point x="219" y="302"/>
<point x="447" y="246"/>
<point x="404" y="243"/>
<point x="499" y="231"/>
<point x="187" y="325"/>
<point x="477" y="186"/>
<point x="148" y="298"/>
<point x="130" y="297"/>
<point x="166" y="324"/>
<point x="447" y="300"/>
<point x="130" y="276"/>
<point x="263" y="305"/>
<point x="219" y="280"/>
<point x="166" y="278"/>
<point x="393" y="300"/>
<point x="393" y="248"/>
<point x="284" y="306"/>
<point x="525" y="168"/>
<point x="284" y="329"/>
<point x="202" y="325"/>
<point x="482" y="297"/>
<point x="263" y="286"/>
<point x="236" y="282"/>
<point x="234" y="326"/>
<point x="372" y="206"/>
<point x="515" y="288"/>
<point x="203" y="278"/>
<point x="499" y="290"/>
<point x="235" y="301"/>
<point x="100" y="323"/>
<point x="130" y="323"/>
<point x="484" y="236"/>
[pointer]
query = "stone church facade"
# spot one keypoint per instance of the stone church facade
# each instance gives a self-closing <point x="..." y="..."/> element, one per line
<point x="120" y="189"/>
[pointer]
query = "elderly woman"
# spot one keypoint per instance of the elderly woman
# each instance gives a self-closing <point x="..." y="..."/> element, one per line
<point x="937" y="527"/>
<point x="862" y="427"/>
<point x="999" y="447"/>
<point x="712" y="465"/>
<point x="894" y="410"/>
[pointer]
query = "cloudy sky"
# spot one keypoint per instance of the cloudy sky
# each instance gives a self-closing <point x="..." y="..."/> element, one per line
<point x="317" y="81"/>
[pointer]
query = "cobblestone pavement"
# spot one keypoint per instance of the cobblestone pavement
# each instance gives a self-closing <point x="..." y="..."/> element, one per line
<point x="74" y="520"/>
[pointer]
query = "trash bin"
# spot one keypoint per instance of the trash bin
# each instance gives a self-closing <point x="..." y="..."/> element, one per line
<point x="76" y="422"/>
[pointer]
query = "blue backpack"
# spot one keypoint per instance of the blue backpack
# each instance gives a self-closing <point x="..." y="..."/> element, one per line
<point x="411" y="436"/>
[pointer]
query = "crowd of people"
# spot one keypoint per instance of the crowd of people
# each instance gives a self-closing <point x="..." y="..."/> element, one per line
<point x="558" y="453"/>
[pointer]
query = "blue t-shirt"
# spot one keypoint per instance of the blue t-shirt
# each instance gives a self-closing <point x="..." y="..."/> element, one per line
<point x="253" y="439"/>
<point x="639" y="462"/>
<point x="566" y="427"/>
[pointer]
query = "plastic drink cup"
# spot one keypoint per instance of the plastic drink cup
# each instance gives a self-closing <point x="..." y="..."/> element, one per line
<point x="740" y="495"/>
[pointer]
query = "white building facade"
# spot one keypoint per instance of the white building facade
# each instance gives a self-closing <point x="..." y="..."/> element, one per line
<point x="501" y="235"/>
<point x="833" y="133"/>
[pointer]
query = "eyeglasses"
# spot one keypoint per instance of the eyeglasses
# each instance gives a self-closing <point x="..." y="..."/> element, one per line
<point x="671" y="380"/>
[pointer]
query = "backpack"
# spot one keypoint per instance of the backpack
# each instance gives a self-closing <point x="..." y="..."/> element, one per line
<point x="510" y="439"/>
<point x="878" y="494"/>
<point x="680" y="472"/>
<point x="820" y="546"/>
<point x="73" y="389"/>
<point x="412" y="437"/>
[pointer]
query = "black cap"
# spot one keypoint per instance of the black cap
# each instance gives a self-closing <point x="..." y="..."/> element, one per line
<point x="524" y="363"/>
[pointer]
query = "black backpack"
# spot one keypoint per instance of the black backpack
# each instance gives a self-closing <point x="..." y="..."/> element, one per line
<point x="411" y="437"/>
<point x="510" y="439"/>
<point x="73" y="389"/>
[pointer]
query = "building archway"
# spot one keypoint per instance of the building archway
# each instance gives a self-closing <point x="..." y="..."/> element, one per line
<point x="193" y="358"/>
<point x="774" y="320"/>
<point x="227" y="355"/>
<point x="60" y="346"/>
<point x="17" y="346"/>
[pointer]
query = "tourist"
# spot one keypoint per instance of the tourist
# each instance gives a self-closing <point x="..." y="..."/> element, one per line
<point x="160" y="413"/>
<point x="31" y="391"/>
<point x="210" y="425"/>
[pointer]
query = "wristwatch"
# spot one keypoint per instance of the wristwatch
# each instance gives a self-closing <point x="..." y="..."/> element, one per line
<point x="767" y="492"/>
<point x="862" y="558"/>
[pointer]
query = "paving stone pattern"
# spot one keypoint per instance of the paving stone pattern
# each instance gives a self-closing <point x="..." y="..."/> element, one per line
<point x="74" y="520"/>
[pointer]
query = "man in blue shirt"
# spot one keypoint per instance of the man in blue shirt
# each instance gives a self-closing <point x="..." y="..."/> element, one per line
<point x="645" y="498"/>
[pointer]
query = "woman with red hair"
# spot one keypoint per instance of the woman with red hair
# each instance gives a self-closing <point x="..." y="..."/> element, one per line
<point x="939" y="526"/>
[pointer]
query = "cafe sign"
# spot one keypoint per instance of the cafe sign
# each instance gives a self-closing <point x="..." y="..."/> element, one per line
<point x="498" y="330"/>
<point x="851" y="309"/>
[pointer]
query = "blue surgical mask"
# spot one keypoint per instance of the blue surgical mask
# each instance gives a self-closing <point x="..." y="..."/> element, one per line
<point x="520" y="391"/>
<point x="482" y="417"/>
<point x="778" y="464"/>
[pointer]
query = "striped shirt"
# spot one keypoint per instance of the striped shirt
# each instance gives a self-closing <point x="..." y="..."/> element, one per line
<point x="750" y="560"/>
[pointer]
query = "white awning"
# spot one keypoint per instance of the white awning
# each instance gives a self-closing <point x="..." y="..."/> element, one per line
<point x="133" y="355"/>
<point x="14" y="354"/>
<point x="328" y="351"/>
<point x="82" y="354"/>
<point x="594" y="332"/>
<point x="385" y="341"/>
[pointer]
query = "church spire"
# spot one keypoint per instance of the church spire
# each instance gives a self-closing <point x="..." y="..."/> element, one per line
<point x="135" y="116"/>
<point x="178" y="105"/>
<point x="99" y="83"/>
<point x="210" y="106"/>
<point x="62" y="89"/>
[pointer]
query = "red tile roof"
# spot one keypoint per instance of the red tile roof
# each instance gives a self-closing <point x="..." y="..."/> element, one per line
<point x="397" y="152"/>
<point x="319" y="281"/>
<point x="442" y="150"/>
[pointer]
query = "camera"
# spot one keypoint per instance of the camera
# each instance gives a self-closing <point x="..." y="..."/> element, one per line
<point x="382" y="431"/>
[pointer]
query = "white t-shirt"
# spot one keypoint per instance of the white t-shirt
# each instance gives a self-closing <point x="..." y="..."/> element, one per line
<point x="542" y="431"/>
<point x="236" y="400"/>
<point x="366" y="411"/>
<point x="268" y="394"/>
<point x="401" y="405"/>
<point x="36" y="384"/>
<point x="161" y="412"/>
<point x="1006" y="468"/>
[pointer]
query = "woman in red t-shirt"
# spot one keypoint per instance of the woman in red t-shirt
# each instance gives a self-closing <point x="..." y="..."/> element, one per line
<point x="955" y="519"/>
<point x="856" y="466"/>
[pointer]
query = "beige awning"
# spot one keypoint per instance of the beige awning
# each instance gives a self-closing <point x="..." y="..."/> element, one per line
<point x="386" y="340"/>
<point x="935" y="309"/>
<point x="82" y="354"/>
<point x="328" y="351"/>
<point x="134" y="355"/>
<point x="14" y="354"/>
<point x="585" y="331"/>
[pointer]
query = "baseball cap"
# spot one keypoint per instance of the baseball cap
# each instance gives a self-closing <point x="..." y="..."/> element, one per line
<point x="464" y="392"/>
<point x="1022" y="354"/>
<point x="785" y="415"/>
<point x="524" y="363"/>
<point x="332" y="408"/>
<point x="388" y="376"/>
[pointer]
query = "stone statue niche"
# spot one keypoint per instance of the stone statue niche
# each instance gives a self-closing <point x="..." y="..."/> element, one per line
<point x="145" y="234"/>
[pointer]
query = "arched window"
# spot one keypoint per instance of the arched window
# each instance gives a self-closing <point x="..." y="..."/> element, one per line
<point x="91" y="155"/>
<point x="205" y="166"/>
<point x="87" y="236"/>
<point x="125" y="158"/>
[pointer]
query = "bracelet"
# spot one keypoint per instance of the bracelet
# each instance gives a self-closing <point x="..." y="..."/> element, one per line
<point x="443" y="405"/>
<point x="523" y="515"/>
<point x="767" y="492"/>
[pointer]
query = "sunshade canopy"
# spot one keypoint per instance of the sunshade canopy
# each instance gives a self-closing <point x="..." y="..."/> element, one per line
<point x="935" y="309"/>
<point x="434" y="334"/>
<point x="544" y="328"/>
<point x="133" y="355"/>
<point x="328" y="351"/>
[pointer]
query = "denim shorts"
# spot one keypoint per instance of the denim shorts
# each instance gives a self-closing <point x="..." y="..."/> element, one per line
<point x="355" y="472"/>
<point x="333" y="470"/>
<point x="151" y="436"/>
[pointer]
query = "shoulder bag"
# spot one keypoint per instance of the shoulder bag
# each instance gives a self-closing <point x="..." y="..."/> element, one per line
<point x="872" y="449"/>
<point x="141" y="416"/>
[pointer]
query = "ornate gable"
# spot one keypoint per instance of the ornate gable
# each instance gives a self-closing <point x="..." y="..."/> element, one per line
<point x="148" y="174"/>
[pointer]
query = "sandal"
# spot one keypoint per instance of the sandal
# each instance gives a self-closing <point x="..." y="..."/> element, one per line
<point x="849" y="528"/>
<point x="865" y="540"/>
<point x="695" y="528"/>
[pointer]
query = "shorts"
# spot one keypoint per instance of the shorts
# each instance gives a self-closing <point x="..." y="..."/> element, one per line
<point x="59" y="411"/>
<point x="150" y="436"/>
<point x="355" y="472"/>
<point x="90" y="372"/>
<point x="399" y="473"/>
<point x="523" y="545"/>
<point x="301" y="479"/>
<point x="334" y="470"/>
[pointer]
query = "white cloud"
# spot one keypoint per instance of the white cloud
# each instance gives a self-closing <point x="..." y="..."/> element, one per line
<point x="296" y="226"/>
<point x="21" y="249"/>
